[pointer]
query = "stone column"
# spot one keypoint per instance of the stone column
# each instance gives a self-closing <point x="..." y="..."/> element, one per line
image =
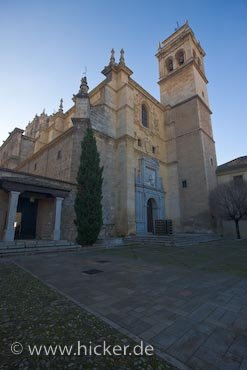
<point x="57" y="223"/>
<point x="9" y="232"/>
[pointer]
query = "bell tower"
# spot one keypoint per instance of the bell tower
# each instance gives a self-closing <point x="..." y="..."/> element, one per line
<point x="183" y="91"/>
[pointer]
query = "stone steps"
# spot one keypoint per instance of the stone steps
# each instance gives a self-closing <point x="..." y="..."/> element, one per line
<point x="35" y="246"/>
<point x="170" y="240"/>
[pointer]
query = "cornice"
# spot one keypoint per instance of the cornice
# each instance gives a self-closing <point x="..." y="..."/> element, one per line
<point x="231" y="169"/>
<point x="183" y="32"/>
<point x="33" y="175"/>
<point x="189" y="62"/>
<point x="199" y="129"/>
<point x="196" y="96"/>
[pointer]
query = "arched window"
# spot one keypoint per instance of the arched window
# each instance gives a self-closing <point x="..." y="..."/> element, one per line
<point x="180" y="57"/>
<point x="169" y="64"/>
<point x="144" y="115"/>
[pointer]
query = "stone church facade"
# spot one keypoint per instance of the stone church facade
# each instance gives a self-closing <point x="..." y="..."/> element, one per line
<point x="158" y="156"/>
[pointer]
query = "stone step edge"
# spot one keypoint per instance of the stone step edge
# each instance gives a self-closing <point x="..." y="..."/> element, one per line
<point x="9" y="253"/>
<point x="36" y="242"/>
<point x="20" y="246"/>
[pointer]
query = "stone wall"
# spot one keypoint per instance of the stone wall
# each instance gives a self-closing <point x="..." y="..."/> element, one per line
<point x="45" y="219"/>
<point x="178" y="87"/>
<point x="192" y="152"/>
<point x="68" y="228"/>
<point x="228" y="176"/>
<point x="119" y="130"/>
<point x="107" y="150"/>
<point x="53" y="160"/>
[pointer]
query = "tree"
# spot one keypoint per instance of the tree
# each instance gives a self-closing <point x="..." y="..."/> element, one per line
<point x="229" y="201"/>
<point x="88" y="206"/>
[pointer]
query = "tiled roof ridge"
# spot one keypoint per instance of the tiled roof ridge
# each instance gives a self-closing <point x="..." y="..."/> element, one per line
<point x="235" y="162"/>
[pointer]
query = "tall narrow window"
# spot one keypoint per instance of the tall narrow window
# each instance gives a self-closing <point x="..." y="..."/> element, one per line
<point x="169" y="64"/>
<point x="184" y="183"/>
<point x="180" y="57"/>
<point x="144" y="115"/>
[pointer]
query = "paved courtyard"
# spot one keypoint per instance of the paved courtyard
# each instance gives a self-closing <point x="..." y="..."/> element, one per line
<point x="196" y="316"/>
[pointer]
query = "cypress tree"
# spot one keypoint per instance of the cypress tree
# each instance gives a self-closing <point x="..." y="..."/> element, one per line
<point x="88" y="206"/>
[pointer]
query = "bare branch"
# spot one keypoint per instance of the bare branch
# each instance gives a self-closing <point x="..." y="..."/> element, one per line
<point x="229" y="201"/>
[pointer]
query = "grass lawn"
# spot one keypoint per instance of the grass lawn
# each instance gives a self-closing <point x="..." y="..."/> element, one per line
<point x="33" y="314"/>
<point x="219" y="256"/>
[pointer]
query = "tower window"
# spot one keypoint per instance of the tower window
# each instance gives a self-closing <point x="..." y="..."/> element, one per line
<point x="59" y="154"/>
<point x="139" y="142"/>
<point x="144" y="115"/>
<point x="153" y="149"/>
<point x="35" y="166"/>
<point x="184" y="183"/>
<point x="211" y="161"/>
<point x="169" y="64"/>
<point x="180" y="57"/>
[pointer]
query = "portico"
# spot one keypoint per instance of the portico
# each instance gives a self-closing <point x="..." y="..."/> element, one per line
<point x="31" y="208"/>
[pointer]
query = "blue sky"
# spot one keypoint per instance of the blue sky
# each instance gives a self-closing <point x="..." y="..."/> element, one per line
<point x="45" y="46"/>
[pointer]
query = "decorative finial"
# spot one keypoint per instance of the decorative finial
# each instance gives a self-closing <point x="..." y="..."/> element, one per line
<point x="159" y="45"/>
<point x="121" y="60"/>
<point x="83" y="91"/>
<point x="43" y="111"/>
<point x="84" y="87"/>
<point x="60" y="110"/>
<point x="112" y="59"/>
<point x="85" y="71"/>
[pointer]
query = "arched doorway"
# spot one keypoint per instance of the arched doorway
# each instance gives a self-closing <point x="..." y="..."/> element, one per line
<point x="151" y="210"/>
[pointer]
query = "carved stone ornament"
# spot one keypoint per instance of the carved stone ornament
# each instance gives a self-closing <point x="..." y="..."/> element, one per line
<point x="156" y="122"/>
<point x="137" y="109"/>
<point x="147" y="145"/>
